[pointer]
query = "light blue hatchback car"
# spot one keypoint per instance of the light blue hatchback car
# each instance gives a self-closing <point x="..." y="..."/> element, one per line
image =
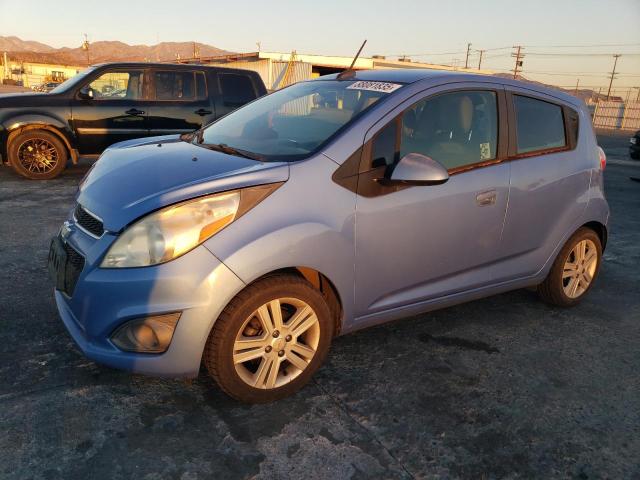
<point x="326" y="207"/>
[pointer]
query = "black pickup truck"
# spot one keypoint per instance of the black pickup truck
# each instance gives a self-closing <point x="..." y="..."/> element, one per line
<point x="112" y="102"/>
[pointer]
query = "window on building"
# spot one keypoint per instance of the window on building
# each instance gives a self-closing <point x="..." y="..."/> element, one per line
<point x="539" y="124"/>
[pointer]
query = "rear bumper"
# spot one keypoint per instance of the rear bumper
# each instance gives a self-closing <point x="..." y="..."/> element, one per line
<point x="197" y="284"/>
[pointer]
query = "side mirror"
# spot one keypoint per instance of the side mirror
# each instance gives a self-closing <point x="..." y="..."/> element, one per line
<point x="86" y="93"/>
<point x="418" y="169"/>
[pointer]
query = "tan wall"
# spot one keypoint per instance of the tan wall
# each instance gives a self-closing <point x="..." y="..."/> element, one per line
<point x="37" y="73"/>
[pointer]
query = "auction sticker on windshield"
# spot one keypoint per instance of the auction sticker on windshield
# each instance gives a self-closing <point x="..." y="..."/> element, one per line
<point x="383" y="87"/>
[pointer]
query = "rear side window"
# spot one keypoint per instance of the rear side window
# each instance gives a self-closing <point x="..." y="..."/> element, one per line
<point x="179" y="85"/>
<point x="236" y="89"/>
<point x="539" y="124"/>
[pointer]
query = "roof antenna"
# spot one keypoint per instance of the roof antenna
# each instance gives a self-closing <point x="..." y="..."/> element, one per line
<point x="350" y="72"/>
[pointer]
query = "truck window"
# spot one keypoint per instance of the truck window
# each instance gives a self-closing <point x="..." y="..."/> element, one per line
<point x="179" y="85"/>
<point x="236" y="89"/>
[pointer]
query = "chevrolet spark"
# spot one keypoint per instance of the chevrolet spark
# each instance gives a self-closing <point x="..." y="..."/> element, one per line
<point x="323" y="208"/>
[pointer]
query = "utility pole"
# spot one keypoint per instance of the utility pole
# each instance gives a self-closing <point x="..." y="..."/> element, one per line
<point x="613" y="73"/>
<point x="576" y="90"/>
<point x="519" y="56"/>
<point x="466" y="61"/>
<point x="85" y="47"/>
<point x="480" y="60"/>
<point x="638" y="97"/>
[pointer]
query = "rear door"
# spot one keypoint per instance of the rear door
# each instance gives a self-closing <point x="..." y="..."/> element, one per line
<point x="549" y="181"/>
<point x="235" y="90"/>
<point x="118" y="111"/>
<point x="181" y="101"/>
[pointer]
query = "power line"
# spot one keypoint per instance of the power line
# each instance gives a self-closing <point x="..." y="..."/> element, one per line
<point x="573" y="54"/>
<point x="587" y="46"/>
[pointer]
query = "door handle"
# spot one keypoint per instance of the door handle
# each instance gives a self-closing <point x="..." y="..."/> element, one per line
<point x="134" y="111"/>
<point x="202" y="112"/>
<point x="484" y="199"/>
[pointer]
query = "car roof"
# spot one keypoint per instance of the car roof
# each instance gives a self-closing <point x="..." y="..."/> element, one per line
<point x="164" y="65"/>
<point x="413" y="75"/>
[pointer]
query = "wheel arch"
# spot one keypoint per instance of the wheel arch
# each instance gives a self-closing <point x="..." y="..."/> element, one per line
<point x="17" y="128"/>
<point x="320" y="282"/>
<point x="601" y="231"/>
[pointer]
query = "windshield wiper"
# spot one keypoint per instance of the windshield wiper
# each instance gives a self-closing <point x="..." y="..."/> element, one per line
<point x="224" y="148"/>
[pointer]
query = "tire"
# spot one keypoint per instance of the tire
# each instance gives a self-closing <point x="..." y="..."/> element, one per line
<point x="245" y="319"/>
<point x="37" y="166"/>
<point x="635" y="156"/>
<point x="557" y="287"/>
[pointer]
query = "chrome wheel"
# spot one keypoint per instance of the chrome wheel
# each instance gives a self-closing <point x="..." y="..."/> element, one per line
<point x="276" y="343"/>
<point x="38" y="155"/>
<point x="579" y="268"/>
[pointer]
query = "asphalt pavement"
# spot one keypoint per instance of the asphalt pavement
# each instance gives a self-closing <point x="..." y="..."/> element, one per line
<point x="504" y="387"/>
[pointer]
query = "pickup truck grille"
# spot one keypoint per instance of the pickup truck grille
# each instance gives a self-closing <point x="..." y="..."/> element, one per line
<point x="88" y="222"/>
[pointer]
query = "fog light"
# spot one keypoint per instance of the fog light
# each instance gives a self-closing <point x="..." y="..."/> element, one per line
<point x="146" y="335"/>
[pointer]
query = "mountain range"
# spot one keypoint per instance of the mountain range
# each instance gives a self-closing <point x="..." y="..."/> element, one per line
<point x="103" y="51"/>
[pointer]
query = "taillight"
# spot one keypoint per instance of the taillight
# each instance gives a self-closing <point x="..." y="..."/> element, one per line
<point x="603" y="158"/>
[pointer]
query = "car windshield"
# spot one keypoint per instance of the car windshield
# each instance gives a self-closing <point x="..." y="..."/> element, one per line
<point x="294" y="122"/>
<point x="70" y="82"/>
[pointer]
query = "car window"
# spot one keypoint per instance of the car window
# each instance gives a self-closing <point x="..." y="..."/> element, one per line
<point x="539" y="124"/>
<point x="127" y="85"/>
<point x="456" y="129"/>
<point x="236" y="89"/>
<point x="179" y="85"/>
<point x="296" y="121"/>
<point x="383" y="148"/>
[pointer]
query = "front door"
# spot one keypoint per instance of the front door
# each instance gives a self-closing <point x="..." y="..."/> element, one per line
<point x="118" y="110"/>
<point x="181" y="102"/>
<point x="416" y="243"/>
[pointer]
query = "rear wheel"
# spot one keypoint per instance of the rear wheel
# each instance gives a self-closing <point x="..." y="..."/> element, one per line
<point x="37" y="154"/>
<point x="574" y="270"/>
<point x="270" y="339"/>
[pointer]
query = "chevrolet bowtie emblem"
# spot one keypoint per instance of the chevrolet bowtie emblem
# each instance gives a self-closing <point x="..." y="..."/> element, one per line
<point x="65" y="230"/>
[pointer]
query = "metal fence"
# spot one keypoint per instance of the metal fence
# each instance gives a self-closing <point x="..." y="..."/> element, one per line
<point x="617" y="115"/>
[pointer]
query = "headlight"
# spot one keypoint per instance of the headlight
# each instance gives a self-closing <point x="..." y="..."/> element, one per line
<point x="175" y="230"/>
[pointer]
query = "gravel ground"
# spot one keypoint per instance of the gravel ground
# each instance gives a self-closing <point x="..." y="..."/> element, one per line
<point x="504" y="387"/>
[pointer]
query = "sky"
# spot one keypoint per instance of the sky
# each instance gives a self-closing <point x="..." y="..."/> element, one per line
<point x="594" y="29"/>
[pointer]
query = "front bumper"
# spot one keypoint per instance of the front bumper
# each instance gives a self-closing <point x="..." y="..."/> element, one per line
<point x="634" y="149"/>
<point x="196" y="284"/>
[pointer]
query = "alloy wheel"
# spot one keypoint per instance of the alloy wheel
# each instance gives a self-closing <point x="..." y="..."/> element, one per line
<point x="276" y="343"/>
<point x="38" y="155"/>
<point x="579" y="268"/>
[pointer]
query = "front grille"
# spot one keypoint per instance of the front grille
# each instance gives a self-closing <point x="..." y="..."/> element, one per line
<point x="88" y="222"/>
<point x="75" y="264"/>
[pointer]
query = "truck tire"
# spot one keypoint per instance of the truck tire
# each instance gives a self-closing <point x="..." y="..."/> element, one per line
<point x="37" y="155"/>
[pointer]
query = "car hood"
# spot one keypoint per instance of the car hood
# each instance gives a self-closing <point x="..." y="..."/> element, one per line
<point x="136" y="177"/>
<point x="21" y="99"/>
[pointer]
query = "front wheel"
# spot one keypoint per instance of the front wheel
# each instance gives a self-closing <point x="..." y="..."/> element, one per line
<point x="270" y="339"/>
<point x="37" y="155"/>
<point x="574" y="270"/>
